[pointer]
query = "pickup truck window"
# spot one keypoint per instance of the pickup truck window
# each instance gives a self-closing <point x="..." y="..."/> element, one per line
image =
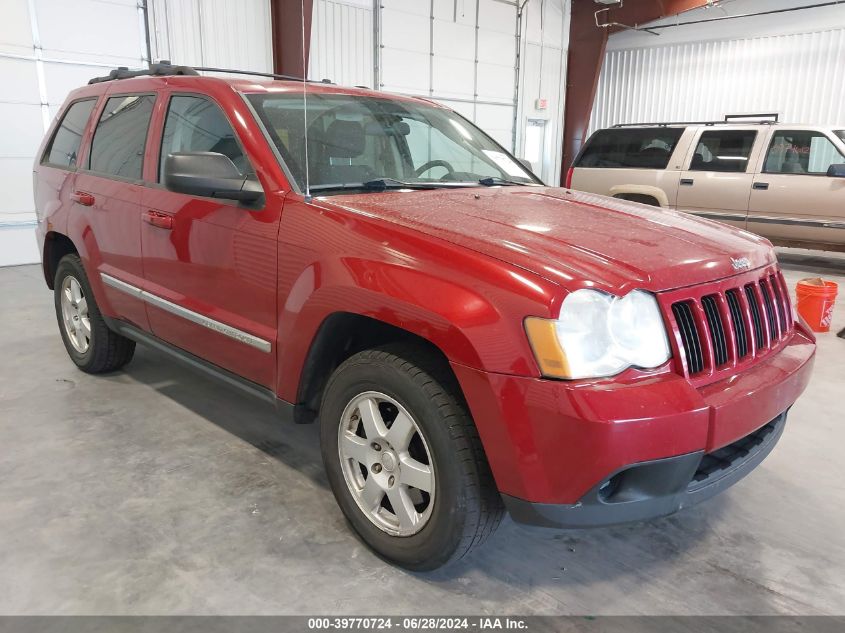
<point x="64" y="147"/>
<point x="354" y="140"/>
<point x="121" y="135"/>
<point x="642" y="148"/>
<point x="801" y="152"/>
<point x="723" y="151"/>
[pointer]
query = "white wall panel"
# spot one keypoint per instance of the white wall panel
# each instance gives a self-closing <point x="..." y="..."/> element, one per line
<point x="545" y="38"/>
<point x="20" y="81"/>
<point x="342" y="42"/>
<point x="100" y="31"/>
<point x="45" y="53"/>
<point x="453" y="51"/>
<point x="218" y="33"/>
<point x="800" y="76"/>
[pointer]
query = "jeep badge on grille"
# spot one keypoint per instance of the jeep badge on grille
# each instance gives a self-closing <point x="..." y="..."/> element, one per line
<point x="740" y="263"/>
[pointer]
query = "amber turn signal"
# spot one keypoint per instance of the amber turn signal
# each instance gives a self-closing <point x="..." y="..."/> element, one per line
<point x="547" y="350"/>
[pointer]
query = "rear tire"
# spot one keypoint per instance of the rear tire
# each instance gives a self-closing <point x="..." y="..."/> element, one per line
<point x="88" y="340"/>
<point x="461" y="507"/>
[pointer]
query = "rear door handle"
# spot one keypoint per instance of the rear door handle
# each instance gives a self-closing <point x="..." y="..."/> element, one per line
<point x="687" y="181"/>
<point x="760" y="185"/>
<point x="83" y="198"/>
<point x="156" y="218"/>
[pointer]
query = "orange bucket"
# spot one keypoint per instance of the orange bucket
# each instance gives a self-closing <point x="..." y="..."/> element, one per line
<point x="816" y="298"/>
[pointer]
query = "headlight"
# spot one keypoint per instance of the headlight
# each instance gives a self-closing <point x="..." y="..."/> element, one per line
<point x="599" y="335"/>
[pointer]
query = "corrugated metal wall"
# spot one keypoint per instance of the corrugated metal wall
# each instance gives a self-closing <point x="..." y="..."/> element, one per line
<point x="342" y="42"/>
<point x="217" y="33"/>
<point x="800" y="76"/>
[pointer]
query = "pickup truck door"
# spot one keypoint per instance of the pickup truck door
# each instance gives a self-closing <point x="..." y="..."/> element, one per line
<point x="210" y="264"/>
<point x="793" y="198"/>
<point x="716" y="183"/>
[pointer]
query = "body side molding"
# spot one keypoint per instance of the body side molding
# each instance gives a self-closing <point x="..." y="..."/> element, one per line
<point x="195" y="317"/>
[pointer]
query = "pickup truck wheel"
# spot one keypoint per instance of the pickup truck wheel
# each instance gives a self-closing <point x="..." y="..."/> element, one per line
<point x="404" y="460"/>
<point x="89" y="341"/>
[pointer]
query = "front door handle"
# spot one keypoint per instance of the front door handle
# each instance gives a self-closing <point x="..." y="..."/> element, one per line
<point x="687" y="181"/>
<point x="760" y="185"/>
<point x="158" y="219"/>
<point x="83" y="198"/>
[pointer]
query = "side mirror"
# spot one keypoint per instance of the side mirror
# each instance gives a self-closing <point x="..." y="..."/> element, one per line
<point x="527" y="164"/>
<point x="836" y="171"/>
<point x="209" y="174"/>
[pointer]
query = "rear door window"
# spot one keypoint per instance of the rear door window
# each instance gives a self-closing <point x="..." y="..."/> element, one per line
<point x="64" y="147"/>
<point x="121" y="136"/>
<point x="723" y="151"/>
<point x="643" y="148"/>
<point x="801" y="152"/>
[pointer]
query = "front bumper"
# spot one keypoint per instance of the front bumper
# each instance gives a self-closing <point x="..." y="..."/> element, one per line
<point x="553" y="446"/>
<point x="656" y="488"/>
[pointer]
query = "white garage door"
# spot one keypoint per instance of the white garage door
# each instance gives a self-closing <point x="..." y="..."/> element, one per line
<point x="47" y="48"/>
<point x="459" y="52"/>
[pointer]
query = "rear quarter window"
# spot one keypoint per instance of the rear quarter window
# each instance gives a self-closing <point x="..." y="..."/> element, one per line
<point x="632" y="148"/>
<point x="64" y="146"/>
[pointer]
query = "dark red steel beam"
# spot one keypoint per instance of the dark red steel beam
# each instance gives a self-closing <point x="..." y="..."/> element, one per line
<point x="587" y="44"/>
<point x="288" y="44"/>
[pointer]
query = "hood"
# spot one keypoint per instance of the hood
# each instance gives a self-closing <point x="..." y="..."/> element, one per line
<point x="575" y="239"/>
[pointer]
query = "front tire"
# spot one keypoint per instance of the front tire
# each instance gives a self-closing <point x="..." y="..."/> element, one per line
<point x="404" y="460"/>
<point x="89" y="342"/>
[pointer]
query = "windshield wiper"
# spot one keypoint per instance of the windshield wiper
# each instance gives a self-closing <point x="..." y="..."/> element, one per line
<point x="385" y="184"/>
<point x="492" y="181"/>
<point x="380" y="184"/>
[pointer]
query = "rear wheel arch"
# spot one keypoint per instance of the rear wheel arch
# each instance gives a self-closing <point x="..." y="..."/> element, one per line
<point x="644" y="194"/>
<point x="340" y="336"/>
<point x="56" y="246"/>
<point x="639" y="197"/>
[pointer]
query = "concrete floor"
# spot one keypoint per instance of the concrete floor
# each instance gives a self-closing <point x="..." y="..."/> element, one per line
<point x="157" y="491"/>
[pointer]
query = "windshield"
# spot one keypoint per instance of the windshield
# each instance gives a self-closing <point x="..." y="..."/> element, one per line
<point x="354" y="140"/>
<point x="840" y="134"/>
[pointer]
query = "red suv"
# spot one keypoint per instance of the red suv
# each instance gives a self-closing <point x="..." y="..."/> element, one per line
<point x="468" y="339"/>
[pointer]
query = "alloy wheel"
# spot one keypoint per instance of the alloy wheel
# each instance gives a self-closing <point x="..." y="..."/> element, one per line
<point x="386" y="463"/>
<point x="75" y="314"/>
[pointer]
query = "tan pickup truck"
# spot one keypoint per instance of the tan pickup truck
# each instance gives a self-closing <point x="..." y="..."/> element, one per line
<point x="784" y="182"/>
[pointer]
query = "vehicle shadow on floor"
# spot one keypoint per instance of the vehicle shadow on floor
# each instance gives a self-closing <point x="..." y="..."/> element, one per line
<point x="515" y="554"/>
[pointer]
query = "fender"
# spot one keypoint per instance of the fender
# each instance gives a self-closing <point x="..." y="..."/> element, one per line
<point x="645" y="190"/>
<point x="468" y="305"/>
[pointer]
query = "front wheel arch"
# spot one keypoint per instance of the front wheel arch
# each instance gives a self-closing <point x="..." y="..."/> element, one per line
<point x="340" y="336"/>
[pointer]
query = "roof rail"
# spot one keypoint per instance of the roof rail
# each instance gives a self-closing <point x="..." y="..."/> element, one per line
<point x="772" y="117"/>
<point x="161" y="69"/>
<point x="256" y="73"/>
<point x="164" y="69"/>
<point x="730" y="119"/>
